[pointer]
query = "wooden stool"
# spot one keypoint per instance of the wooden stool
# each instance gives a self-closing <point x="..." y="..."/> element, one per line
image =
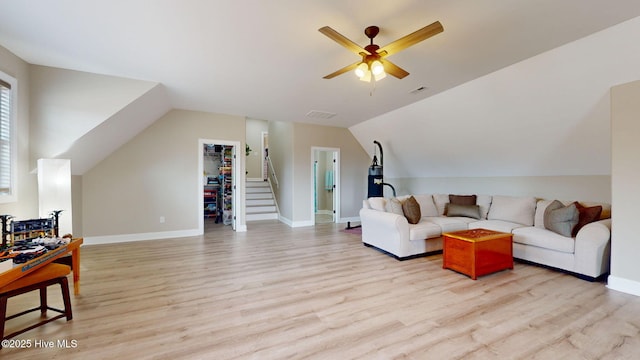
<point x="38" y="280"/>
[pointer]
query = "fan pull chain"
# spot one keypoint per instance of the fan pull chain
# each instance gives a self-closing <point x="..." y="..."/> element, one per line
<point x="373" y="86"/>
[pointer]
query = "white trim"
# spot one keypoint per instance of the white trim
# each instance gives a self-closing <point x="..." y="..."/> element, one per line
<point x="623" y="285"/>
<point x="295" y="224"/>
<point x="113" y="239"/>
<point x="254" y="179"/>
<point x="13" y="197"/>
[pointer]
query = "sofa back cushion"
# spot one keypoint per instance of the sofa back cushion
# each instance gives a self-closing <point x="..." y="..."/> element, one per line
<point x="484" y="202"/>
<point x="378" y="203"/>
<point x="394" y="205"/>
<point x="519" y="210"/>
<point x="441" y="201"/>
<point x="427" y="206"/>
<point x="541" y="206"/>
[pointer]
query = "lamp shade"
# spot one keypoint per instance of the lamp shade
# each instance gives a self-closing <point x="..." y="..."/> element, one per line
<point x="377" y="68"/>
<point x="380" y="76"/>
<point x="362" y="70"/>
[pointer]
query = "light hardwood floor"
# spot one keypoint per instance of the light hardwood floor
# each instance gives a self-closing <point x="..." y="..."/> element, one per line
<point x="318" y="293"/>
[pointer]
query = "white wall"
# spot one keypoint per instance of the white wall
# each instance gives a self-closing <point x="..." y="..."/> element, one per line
<point x="66" y="104"/>
<point x="595" y="188"/>
<point x="354" y="164"/>
<point x="290" y="146"/>
<point x="281" y="154"/>
<point x="26" y="206"/>
<point x="625" y="176"/>
<point x="85" y="117"/>
<point x="154" y="175"/>
<point x="255" y="128"/>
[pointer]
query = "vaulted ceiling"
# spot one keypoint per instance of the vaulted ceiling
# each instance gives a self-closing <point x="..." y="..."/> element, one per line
<point x="266" y="59"/>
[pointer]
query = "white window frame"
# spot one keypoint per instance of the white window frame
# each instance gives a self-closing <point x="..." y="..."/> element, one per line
<point x="12" y="195"/>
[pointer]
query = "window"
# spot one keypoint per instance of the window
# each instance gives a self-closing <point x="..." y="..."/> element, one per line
<point x="7" y="139"/>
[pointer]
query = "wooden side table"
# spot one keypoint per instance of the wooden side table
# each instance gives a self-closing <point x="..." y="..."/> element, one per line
<point x="30" y="266"/>
<point x="477" y="252"/>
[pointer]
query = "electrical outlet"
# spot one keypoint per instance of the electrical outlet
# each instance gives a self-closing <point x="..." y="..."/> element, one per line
<point x="161" y="219"/>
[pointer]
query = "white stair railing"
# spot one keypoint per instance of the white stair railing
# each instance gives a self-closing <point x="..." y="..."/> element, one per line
<point x="272" y="173"/>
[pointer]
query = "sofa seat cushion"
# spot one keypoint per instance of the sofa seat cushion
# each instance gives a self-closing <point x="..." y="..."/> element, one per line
<point x="424" y="230"/>
<point x="535" y="236"/>
<point x="495" y="225"/>
<point x="449" y="224"/>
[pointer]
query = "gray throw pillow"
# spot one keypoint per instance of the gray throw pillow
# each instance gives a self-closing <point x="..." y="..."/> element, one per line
<point x="470" y="211"/>
<point x="553" y="206"/>
<point x="562" y="220"/>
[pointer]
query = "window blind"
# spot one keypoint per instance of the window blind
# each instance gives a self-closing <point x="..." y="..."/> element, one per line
<point x="5" y="138"/>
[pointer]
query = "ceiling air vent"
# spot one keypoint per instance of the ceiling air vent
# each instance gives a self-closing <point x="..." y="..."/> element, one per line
<point x="418" y="90"/>
<point x="320" y="114"/>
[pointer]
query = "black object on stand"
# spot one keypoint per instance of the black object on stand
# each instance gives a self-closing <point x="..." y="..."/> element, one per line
<point x="376" y="180"/>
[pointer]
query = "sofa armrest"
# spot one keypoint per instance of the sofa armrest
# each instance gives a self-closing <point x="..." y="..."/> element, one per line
<point x="387" y="231"/>
<point x="593" y="248"/>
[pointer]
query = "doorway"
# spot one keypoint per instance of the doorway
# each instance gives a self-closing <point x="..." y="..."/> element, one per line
<point x="218" y="174"/>
<point x="326" y="185"/>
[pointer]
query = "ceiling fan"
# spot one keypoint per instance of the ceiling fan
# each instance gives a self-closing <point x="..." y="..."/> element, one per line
<point x="374" y="63"/>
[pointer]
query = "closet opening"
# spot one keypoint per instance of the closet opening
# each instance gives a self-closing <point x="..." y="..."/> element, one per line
<point x="218" y="192"/>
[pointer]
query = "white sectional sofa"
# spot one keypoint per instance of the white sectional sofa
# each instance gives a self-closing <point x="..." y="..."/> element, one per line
<point x="585" y="253"/>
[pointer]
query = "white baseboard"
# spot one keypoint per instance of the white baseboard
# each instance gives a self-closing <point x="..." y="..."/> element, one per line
<point x="302" y="223"/>
<point x="112" y="239"/>
<point x="294" y="224"/>
<point x="623" y="285"/>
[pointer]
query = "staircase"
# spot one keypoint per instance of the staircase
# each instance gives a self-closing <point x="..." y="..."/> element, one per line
<point x="260" y="204"/>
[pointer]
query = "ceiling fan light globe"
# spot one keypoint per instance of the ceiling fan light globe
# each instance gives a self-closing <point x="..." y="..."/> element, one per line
<point x="361" y="70"/>
<point x="366" y="77"/>
<point x="380" y="76"/>
<point x="377" y="68"/>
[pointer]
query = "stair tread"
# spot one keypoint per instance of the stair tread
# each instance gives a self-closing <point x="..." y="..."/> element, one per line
<point x="259" y="201"/>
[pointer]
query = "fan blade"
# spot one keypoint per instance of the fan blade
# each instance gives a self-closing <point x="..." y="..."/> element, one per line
<point x="343" y="70"/>
<point x="411" y="39"/>
<point x="393" y="69"/>
<point x="340" y="39"/>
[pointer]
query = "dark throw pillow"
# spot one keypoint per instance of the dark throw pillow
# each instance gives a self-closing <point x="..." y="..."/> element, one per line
<point x="470" y="211"/>
<point x="561" y="220"/>
<point x="411" y="210"/>
<point x="462" y="199"/>
<point x="587" y="215"/>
